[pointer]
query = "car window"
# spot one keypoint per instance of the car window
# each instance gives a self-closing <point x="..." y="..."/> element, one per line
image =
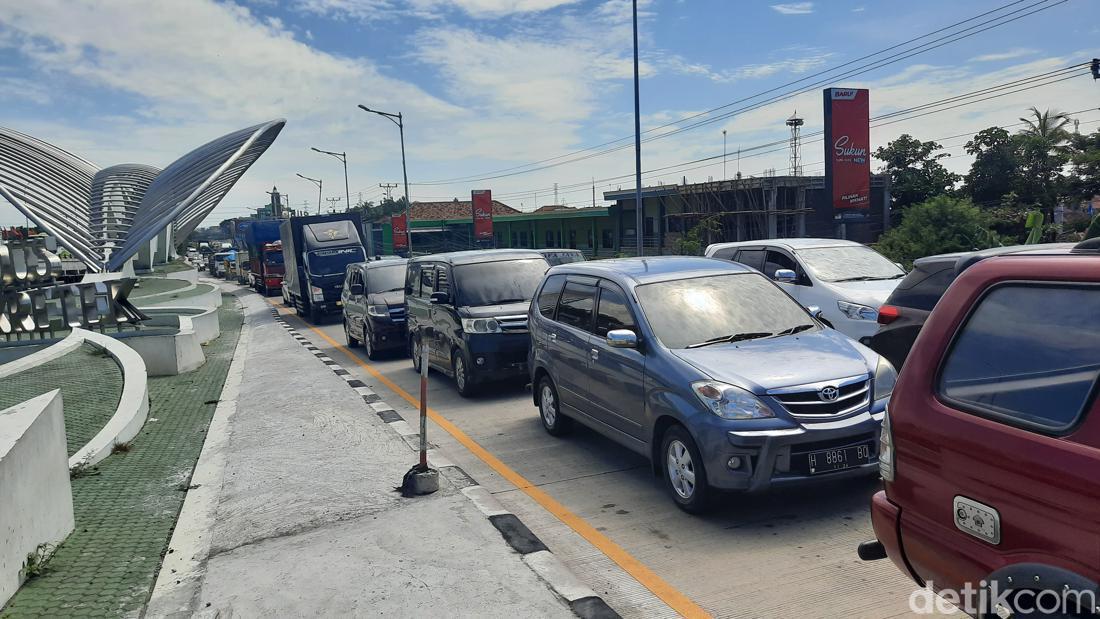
<point x="442" y="279"/>
<point x="412" y="281"/>
<point x="845" y="263"/>
<point x="385" y="278"/>
<point x="777" y="260"/>
<point x="924" y="294"/>
<point x="613" y="312"/>
<point x="726" y="253"/>
<point x="498" y="282"/>
<point x="694" y="311"/>
<point x="427" y="280"/>
<point x="752" y="257"/>
<point x="1027" y="355"/>
<point x="575" y="306"/>
<point x="548" y="296"/>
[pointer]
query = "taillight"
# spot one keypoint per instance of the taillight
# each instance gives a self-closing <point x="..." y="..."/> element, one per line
<point x="888" y="314"/>
<point x="886" y="449"/>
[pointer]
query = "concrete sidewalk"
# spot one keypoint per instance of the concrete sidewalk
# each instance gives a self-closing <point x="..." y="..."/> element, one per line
<point x="292" y="509"/>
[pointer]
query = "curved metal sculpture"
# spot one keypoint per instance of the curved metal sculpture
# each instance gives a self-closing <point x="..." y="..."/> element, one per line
<point x="104" y="217"/>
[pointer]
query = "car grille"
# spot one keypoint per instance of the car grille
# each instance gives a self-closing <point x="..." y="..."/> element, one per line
<point x="397" y="314"/>
<point x="513" y="324"/>
<point x="854" y="396"/>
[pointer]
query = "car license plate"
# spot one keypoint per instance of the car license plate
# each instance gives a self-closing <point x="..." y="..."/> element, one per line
<point x="828" y="460"/>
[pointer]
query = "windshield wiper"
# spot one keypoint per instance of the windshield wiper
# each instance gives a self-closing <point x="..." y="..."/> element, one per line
<point x="733" y="337"/>
<point x="793" y="330"/>
<point x="506" y="301"/>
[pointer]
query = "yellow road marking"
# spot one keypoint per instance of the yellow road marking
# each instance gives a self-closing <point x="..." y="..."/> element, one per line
<point x="650" y="580"/>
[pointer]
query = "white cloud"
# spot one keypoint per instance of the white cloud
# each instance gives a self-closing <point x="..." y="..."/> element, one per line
<point x="797" y="60"/>
<point x="1011" y="54"/>
<point x="373" y="10"/>
<point x="794" y="8"/>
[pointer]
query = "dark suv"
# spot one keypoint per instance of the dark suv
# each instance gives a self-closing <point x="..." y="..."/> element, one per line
<point x="991" y="447"/>
<point x="904" y="313"/>
<point x="373" y="301"/>
<point x="474" y="304"/>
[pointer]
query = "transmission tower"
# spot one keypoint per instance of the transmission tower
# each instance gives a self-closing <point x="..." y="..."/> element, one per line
<point x="795" y="123"/>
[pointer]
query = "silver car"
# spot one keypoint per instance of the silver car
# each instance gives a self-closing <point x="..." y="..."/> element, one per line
<point x="707" y="368"/>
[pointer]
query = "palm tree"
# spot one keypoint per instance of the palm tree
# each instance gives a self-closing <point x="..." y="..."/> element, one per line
<point x="1049" y="125"/>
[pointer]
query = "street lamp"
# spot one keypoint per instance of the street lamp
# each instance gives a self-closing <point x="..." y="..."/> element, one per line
<point x="723" y="154"/>
<point x="343" y="157"/>
<point x="398" y="120"/>
<point x="315" y="181"/>
<point x="637" y="140"/>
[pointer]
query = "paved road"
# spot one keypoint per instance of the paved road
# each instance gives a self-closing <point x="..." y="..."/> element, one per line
<point x="789" y="553"/>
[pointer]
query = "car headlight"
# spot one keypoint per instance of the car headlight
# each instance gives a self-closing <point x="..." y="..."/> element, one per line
<point x="885" y="378"/>
<point x="729" y="402"/>
<point x="316" y="293"/>
<point x="379" y="311"/>
<point x="856" y="311"/>
<point x="480" y="325"/>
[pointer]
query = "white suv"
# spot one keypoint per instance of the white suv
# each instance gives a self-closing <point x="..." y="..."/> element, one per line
<point x="846" y="280"/>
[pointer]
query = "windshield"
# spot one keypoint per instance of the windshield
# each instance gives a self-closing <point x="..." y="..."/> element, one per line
<point x="273" y="257"/>
<point x="688" y="312"/>
<point x="848" y="263"/>
<point x="332" y="261"/>
<point x="385" y="279"/>
<point x="497" y="283"/>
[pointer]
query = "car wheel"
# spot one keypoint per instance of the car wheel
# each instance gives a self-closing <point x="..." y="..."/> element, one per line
<point x="465" y="385"/>
<point x="553" y="421"/>
<point x="684" y="475"/>
<point x="352" y="342"/>
<point x="414" y="352"/>
<point x="368" y="345"/>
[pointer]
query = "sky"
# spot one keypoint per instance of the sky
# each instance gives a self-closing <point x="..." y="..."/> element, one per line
<point x="487" y="87"/>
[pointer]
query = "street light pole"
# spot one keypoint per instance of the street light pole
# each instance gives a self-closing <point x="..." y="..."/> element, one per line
<point x="399" y="120"/>
<point x="637" y="141"/>
<point x="318" y="182"/>
<point x="723" y="154"/>
<point x="347" y="192"/>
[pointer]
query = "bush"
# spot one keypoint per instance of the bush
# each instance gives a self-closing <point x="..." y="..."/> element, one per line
<point x="1093" y="230"/>
<point x="939" y="225"/>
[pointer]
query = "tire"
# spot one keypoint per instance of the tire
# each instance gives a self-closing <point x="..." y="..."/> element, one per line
<point x="368" y="346"/>
<point x="683" y="472"/>
<point x="352" y="342"/>
<point x="414" y="352"/>
<point x="463" y="382"/>
<point x="553" y="421"/>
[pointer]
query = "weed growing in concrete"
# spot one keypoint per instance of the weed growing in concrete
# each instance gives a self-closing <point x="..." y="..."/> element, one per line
<point x="35" y="564"/>
<point x="121" y="448"/>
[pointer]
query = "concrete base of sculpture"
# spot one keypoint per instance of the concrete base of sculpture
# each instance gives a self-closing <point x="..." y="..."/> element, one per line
<point x="36" y="500"/>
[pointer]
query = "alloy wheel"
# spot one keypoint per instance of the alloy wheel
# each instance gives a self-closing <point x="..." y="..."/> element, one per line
<point x="681" y="469"/>
<point x="460" y="373"/>
<point x="548" y="406"/>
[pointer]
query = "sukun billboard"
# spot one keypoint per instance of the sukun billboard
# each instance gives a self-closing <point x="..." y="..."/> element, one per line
<point x="847" y="149"/>
<point x="400" y="232"/>
<point x="482" y="200"/>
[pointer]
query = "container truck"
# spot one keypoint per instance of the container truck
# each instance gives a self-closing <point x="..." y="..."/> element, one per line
<point x="316" y="251"/>
<point x="265" y="253"/>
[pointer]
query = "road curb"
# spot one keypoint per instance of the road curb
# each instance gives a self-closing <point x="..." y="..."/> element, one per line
<point x="581" y="599"/>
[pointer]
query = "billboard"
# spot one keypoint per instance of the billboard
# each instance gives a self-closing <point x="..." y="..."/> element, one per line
<point x="482" y="200"/>
<point x="400" y="232"/>
<point x="848" y="149"/>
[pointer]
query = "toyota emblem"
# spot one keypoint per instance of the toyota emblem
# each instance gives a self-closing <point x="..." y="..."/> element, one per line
<point x="828" y="394"/>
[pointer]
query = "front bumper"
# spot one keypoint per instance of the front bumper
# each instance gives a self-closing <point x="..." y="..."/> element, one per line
<point x="496" y="356"/>
<point x="386" y="334"/>
<point x="779" y="456"/>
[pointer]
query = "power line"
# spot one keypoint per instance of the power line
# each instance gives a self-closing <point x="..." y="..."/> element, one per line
<point x="997" y="21"/>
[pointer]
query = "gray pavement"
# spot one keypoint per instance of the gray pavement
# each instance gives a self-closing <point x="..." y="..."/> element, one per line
<point x="305" y="520"/>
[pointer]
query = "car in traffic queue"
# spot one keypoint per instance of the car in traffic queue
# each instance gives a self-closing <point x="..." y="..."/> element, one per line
<point x="847" y="280"/>
<point x="556" y="256"/>
<point x="707" y="368"/>
<point x="990" y="450"/>
<point x="900" y="319"/>
<point x="373" y="304"/>
<point x="470" y="309"/>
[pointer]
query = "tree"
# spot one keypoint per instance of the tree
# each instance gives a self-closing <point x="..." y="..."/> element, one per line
<point x="692" y="242"/>
<point x="1084" y="156"/>
<point x="915" y="170"/>
<point x="993" y="173"/>
<point x="1048" y="125"/>
<point x="940" y="225"/>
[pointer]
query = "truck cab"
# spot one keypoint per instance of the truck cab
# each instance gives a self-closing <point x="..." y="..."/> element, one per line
<point x="316" y="253"/>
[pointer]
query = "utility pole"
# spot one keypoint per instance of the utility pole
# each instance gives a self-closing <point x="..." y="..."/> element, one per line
<point x="315" y="181"/>
<point x="332" y="203"/>
<point x="593" y="192"/>
<point x="399" y="120"/>
<point x="555" y="193"/>
<point x="723" y="154"/>
<point x="388" y="188"/>
<point x="637" y="138"/>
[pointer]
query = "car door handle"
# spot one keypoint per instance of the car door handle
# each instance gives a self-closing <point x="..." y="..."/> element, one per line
<point x="594" y="353"/>
<point x="552" y="336"/>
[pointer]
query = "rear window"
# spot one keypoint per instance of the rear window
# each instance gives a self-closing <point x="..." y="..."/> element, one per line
<point x="926" y="292"/>
<point x="1027" y="355"/>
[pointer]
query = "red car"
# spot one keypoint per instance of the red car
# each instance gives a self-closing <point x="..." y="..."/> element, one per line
<point x="990" y="451"/>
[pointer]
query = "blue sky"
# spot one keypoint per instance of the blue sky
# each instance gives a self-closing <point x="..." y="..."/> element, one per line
<point x="493" y="84"/>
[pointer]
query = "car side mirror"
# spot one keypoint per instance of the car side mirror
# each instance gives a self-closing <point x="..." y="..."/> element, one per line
<point x="440" y="298"/>
<point x="785" y="276"/>
<point x="815" y="311"/>
<point x="356" y="290"/>
<point x="622" y="338"/>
